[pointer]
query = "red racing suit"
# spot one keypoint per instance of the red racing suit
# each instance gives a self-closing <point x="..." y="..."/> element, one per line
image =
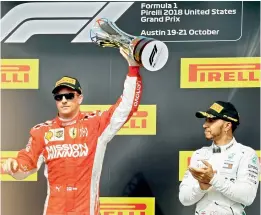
<point x="73" y="152"/>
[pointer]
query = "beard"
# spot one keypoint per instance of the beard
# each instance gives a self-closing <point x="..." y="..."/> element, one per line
<point x="213" y="135"/>
<point x="208" y="135"/>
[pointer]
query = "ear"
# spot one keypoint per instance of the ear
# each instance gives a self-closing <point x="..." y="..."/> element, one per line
<point x="80" y="99"/>
<point x="228" y="126"/>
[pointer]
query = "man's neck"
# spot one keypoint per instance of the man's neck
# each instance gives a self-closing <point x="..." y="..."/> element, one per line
<point x="69" y="117"/>
<point x="226" y="139"/>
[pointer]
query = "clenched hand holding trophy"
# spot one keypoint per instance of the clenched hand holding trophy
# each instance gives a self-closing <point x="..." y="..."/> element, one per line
<point x="148" y="52"/>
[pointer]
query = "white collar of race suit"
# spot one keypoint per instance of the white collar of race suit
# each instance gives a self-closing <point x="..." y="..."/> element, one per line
<point x="219" y="149"/>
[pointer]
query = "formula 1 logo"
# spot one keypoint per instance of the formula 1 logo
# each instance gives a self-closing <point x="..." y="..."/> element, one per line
<point x="28" y="19"/>
<point x="154" y="51"/>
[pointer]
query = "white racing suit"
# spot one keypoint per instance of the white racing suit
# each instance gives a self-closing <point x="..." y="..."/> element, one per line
<point x="234" y="186"/>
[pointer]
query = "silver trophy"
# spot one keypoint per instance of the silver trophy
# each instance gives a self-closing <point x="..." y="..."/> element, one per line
<point x="148" y="52"/>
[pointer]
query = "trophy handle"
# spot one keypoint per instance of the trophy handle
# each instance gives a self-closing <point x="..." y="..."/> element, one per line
<point x="106" y="34"/>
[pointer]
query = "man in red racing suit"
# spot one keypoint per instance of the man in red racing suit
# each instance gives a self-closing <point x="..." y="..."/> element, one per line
<point x="73" y="151"/>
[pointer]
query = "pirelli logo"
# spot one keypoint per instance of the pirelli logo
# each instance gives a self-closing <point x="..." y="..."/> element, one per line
<point x="19" y="73"/>
<point x="184" y="161"/>
<point x="238" y="72"/>
<point x="6" y="177"/>
<point x="143" y="122"/>
<point x="127" y="206"/>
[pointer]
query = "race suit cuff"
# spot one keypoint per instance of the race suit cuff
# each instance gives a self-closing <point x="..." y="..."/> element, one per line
<point x="197" y="189"/>
<point x="214" y="180"/>
<point x="133" y="71"/>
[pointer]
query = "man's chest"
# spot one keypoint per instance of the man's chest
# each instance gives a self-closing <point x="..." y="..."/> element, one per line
<point x="67" y="134"/>
<point x="225" y="163"/>
<point x="68" y="142"/>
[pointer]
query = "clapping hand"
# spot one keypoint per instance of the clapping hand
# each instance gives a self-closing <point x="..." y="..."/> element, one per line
<point x="203" y="175"/>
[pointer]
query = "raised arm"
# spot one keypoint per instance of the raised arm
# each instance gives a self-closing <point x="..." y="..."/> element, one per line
<point x="113" y="119"/>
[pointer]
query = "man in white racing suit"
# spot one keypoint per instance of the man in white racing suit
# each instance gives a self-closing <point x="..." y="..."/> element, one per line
<point x="222" y="179"/>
